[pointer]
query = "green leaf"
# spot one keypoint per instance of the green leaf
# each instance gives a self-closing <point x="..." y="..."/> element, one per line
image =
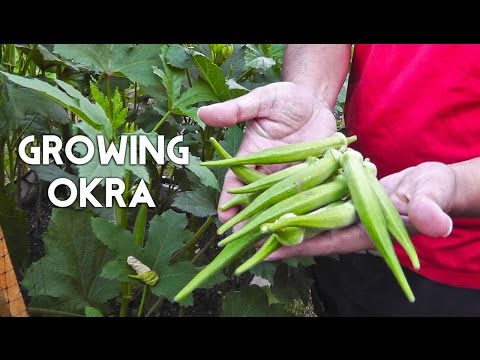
<point x="120" y="242"/>
<point x="92" y="312"/>
<point x="266" y="270"/>
<point x="296" y="261"/>
<point x="51" y="172"/>
<point x="213" y="75"/>
<point x="36" y="104"/>
<point x="117" y="118"/>
<point x="252" y="301"/>
<point x="263" y="55"/>
<point x="13" y="222"/>
<point x="117" y="239"/>
<point x="99" y="98"/>
<point x="179" y="56"/>
<point x="119" y="270"/>
<point x="199" y="92"/>
<point x="232" y="139"/>
<point x="205" y="175"/>
<point x="291" y="284"/>
<point x="73" y="100"/>
<point x="70" y="270"/>
<point x="171" y="79"/>
<point x="94" y="169"/>
<point x="166" y="235"/>
<point x="41" y="56"/>
<point x="236" y="89"/>
<point x="199" y="202"/>
<point x="173" y="278"/>
<point x="133" y="61"/>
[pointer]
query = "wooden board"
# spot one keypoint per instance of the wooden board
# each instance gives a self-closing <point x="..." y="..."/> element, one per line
<point x="11" y="300"/>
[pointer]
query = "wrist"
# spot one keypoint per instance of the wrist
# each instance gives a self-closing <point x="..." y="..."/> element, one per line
<point x="464" y="193"/>
<point x="317" y="91"/>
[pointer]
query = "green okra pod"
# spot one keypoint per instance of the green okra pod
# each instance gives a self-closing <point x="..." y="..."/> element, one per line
<point x="229" y="254"/>
<point x="237" y="200"/>
<point x="370" y="213"/>
<point x="336" y="215"/>
<point x="269" y="180"/>
<point x="288" y="153"/>
<point x="318" y="171"/>
<point x="395" y="224"/>
<point x="298" y="204"/>
<point x="268" y="247"/>
<point x="245" y="174"/>
<point x="140" y="224"/>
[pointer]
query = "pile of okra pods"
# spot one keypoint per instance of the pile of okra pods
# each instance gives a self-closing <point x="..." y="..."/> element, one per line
<point x="330" y="187"/>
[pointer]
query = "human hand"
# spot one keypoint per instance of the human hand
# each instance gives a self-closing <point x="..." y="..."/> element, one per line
<point x="277" y="114"/>
<point x="423" y="194"/>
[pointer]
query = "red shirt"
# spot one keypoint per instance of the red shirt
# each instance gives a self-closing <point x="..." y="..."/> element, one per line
<point x="414" y="103"/>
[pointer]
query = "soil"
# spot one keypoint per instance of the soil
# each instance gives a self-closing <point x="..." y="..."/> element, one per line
<point x="207" y="302"/>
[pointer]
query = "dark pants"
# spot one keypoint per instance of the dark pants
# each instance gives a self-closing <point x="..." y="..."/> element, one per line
<point x="363" y="285"/>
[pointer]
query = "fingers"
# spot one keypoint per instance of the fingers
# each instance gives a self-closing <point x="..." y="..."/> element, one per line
<point x="428" y="217"/>
<point x="255" y="104"/>
<point x="340" y="241"/>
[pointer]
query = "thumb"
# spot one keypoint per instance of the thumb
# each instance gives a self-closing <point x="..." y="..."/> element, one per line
<point x="247" y="107"/>
<point x="428" y="217"/>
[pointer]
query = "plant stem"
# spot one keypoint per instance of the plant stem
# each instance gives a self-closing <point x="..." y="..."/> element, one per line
<point x="48" y="312"/>
<point x="155" y="306"/>
<point x="142" y="302"/>
<point x="191" y="243"/>
<point x="109" y="97"/>
<point x="27" y="61"/>
<point x="162" y="120"/>
<point x="126" y="296"/>
<point x="205" y="248"/>
<point x="181" y="311"/>
<point x="244" y="75"/>
<point x="189" y="77"/>
<point x="122" y="220"/>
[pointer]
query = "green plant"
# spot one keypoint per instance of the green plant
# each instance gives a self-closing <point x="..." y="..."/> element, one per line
<point x="118" y="90"/>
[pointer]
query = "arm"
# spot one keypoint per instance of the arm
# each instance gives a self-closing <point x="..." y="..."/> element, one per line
<point x="296" y="110"/>
<point x="321" y="68"/>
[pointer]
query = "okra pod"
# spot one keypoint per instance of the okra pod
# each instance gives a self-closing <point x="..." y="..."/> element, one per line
<point x="245" y="174"/>
<point x="298" y="204"/>
<point x="268" y="247"/>
<point x="140" y="224"/>
<point x="395" y="224"/>
<point x="225" y="258"/>
<point x="269" y="180"/>
<point x="240" y="199"/>
<point x="332" y="216"/>
<point x="371" y="215"/>
<point x="313" y="175"/>
<point x="287" y="153"/>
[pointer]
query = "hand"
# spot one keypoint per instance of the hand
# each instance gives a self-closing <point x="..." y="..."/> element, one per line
<point x="277" y="114"/>
<point x="423" y="194"/>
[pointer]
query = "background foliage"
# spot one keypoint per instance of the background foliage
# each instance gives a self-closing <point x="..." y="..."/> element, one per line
<point x="117" y="89"/>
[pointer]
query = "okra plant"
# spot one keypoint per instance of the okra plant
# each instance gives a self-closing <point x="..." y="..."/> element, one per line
<point x="132" y="261"/>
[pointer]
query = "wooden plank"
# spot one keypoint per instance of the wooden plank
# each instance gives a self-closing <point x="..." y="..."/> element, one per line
<point x="11" y="300"/>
